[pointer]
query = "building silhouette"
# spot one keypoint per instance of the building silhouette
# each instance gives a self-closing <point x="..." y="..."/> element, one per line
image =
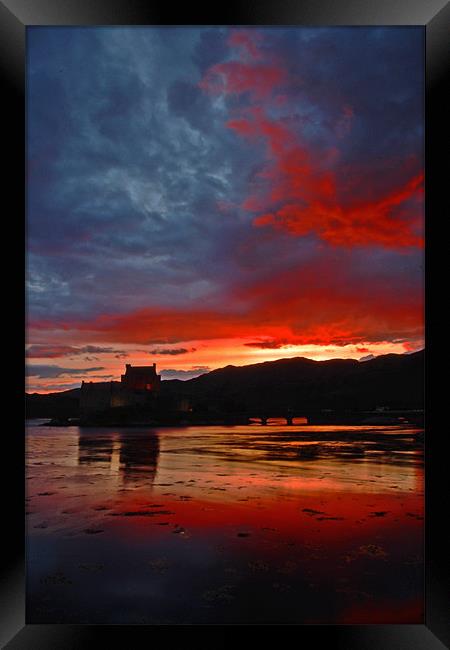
<point x="139" y="386"/>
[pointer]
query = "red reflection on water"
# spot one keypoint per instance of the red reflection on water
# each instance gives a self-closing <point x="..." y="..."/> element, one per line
<point x="316" y="516"/>
<point x="345" y="528"/>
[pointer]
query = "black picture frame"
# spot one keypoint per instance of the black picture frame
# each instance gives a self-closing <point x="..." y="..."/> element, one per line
<point x="15" y="17"/>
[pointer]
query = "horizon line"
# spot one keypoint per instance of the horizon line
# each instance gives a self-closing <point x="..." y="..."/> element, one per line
<point x="246" y="365"/>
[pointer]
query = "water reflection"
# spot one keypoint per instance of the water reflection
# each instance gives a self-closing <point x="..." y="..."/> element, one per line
<point x="225" y="525"/>
<point x="94" y="449"/>
<point x="133" y="454"/>
<point x="138" y="456"/>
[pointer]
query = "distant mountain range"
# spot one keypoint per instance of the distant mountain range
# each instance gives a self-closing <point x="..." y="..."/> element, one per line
<point x="394" y="381"/>
<point x="64" y="404"/>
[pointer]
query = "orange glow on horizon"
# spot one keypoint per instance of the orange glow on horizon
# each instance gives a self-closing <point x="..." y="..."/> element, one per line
<point x="211" y="354"/>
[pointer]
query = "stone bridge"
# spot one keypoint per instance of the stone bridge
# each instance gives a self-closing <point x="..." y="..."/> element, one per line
<point x="289" y="417"/>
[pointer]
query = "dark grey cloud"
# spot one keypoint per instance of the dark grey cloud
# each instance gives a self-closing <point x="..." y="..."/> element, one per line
<point x="53" y="351"/>
<point x="123" y="197"/>
<point x="172" y="351"/>
<point x="50" y="372"/>
<point x="184" y="374"/>
<point x="211" y="48"/>
<point x="101" y="377"/>
<point x="267" y="345"/>
<point x="57" y="388"/>
<point x="187" y="100"/>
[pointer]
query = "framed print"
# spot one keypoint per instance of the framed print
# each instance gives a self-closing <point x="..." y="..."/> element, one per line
<point x="226" y="389"/>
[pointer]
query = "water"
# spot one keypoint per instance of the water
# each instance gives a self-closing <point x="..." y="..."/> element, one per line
<point x="275" y="524"/>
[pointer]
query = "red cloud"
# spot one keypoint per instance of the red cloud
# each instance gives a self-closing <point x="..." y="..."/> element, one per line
<point x="323" y="303"/>
<point x="246" y="41"/>
<point x="298" y="192"/>
<point x="360" y="224"/>
<point x="249" y="73"/>
<point x="309" y="319"/>
<point x="237" y="77"/>
<point x="308" y="196"/>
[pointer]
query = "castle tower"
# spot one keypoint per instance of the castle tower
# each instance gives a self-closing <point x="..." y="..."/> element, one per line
<point x="141" y="378"/>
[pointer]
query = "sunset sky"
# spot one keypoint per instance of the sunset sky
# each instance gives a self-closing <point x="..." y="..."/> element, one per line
<point x="199" y="197"/>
